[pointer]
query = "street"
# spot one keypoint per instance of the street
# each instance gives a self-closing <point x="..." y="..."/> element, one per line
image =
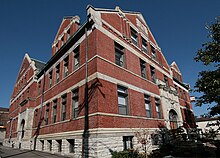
<point x="6" y="152"/>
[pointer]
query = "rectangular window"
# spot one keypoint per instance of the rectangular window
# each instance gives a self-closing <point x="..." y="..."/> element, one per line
<point x="39" y="87"/>
<point x="158" y="108"/>
<point x="153" y="51"/>
<point x="134" y="36"/>
<point x="76" y="61"/>
<point x="42" y="145"/>
<point x="66" y="63"/>
<point x="49" y="145"/>
<point x="68" y="34"/>
<point x="122" y="100"/>
<point x="50" y="78"/>
<point x="36" y="118"/>
<point x="143" y="68"/>
<point x="119" y="55"/>
<point x="62" y="41"/>
<point x="64" y="99"/>
<point x="75" y="103"/>
<point x="127" y="142"/>
<point x="47" y="114"/>
<point x="71" y="145"/>
<point x="148" y="108"/>
<point x="166" y="81"/>
<point x="59" y="145"/>
<point x="144" y="45"/>
<point x="56" y="47"/>
<point x="153" y="74"/>
<point x="54" y="111"/>
<point x="57" y="73"/>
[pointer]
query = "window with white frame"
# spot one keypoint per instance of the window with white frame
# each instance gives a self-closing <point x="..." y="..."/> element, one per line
<point x="68" y="34"/>
<point x="158" y="108"/>
<point x="166" y="81"/>
<point x="54" y="111"/>
<point x="76" y="57"/>
<point x="143" y="68"/>
<point x="75" y="102"/>
<point x="144" y="45"/>
<point x="58" y="73"/>
<point x="153" y="74"/>
<point x="153" y="52"/>
<point x="134" y="36"/>
<point x="62" y="40"/>
<point x="147" y="100"/>
<point x="66" y="64"/>
<point x="119" y="55"/>
<point x="56" y="47"/>
<point x="122" y="100"/>
<point x="127" y="142"/>
<point x="50" y="78"/>
<point x="64" y="100"/>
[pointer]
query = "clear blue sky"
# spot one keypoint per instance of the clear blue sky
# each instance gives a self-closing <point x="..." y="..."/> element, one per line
<point x="30" y="26"/>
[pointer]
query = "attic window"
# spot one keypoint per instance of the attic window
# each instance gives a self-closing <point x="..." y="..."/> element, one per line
<point x="68" y="34"/>
<point x="144" y="45"/>
<point x="62" y="40"/>
<point x="153" y="51"/>
<point x="56" y="47"/>
<point x="134" y="36"/>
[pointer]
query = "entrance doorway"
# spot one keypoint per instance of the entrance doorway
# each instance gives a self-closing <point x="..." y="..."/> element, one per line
<point x="173" y="119"/>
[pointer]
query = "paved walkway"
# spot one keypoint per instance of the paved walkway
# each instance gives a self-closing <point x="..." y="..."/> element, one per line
<point x="6" y="152"/>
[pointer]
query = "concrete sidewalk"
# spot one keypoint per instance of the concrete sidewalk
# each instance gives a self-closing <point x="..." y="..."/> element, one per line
<point x="6" y="152"/>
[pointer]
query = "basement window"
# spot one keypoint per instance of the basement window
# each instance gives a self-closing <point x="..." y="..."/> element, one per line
<point x="127" y="142"/>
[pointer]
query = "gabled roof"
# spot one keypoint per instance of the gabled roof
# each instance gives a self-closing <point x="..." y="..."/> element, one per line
<point x="27" y="61"/>
<point x="175" y="67"/>
<point x="65" y="22"/>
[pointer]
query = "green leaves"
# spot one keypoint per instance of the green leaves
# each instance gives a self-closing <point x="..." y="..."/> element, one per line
<point x="208" y="82"/>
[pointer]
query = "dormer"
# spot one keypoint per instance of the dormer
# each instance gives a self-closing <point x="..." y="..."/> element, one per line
<point x="68" y="27"/>
<point x="176" y="72"/>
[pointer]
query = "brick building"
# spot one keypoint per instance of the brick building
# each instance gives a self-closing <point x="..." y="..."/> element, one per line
<point x="3" y="122"/>
<point x="131" y="86"/>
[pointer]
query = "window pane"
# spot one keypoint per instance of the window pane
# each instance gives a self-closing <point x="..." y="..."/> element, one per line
<point x="119" y="55"/>
<point x="147" y="106"/>
<point x="121" y="100"/>
<point x="123" y="110"/>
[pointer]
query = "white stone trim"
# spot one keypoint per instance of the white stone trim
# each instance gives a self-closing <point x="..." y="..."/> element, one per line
<point x="104" y="77"/>
<point x="18" y="95"/>
<point x="177" y="84"/>
<point x="92" y="131"/>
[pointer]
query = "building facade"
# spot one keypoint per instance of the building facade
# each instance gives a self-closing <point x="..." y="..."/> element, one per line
<point x="3" y="122"/>
<point x="130" y="86"/>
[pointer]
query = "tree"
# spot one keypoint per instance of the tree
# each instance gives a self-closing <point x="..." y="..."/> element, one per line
<point x="208" y="82"/>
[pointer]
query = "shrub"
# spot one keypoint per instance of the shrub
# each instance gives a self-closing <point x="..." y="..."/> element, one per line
<point x="128" y="154"/>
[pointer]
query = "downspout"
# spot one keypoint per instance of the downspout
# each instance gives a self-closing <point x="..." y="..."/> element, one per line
<point x="41" y="111"/>
<point x="10" y="133"/>
<point x="85" y="146"/>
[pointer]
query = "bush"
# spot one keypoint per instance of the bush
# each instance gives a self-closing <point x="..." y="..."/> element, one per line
<point x="128" y="154"/>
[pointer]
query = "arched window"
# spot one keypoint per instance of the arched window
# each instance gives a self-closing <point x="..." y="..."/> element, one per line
<point x="173" y="119"/>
